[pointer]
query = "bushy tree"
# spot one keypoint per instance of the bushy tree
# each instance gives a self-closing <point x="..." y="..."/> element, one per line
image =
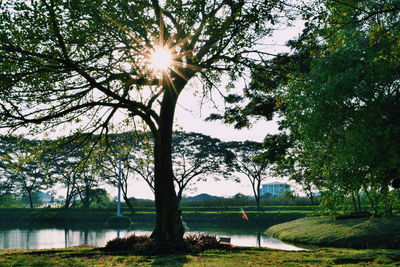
<point x="244" y="161"/>
<point x="345" y="109"/>
<point x="127" y="156"/>
<point x="338" y="94"/>
<point x="197" y="157"/>
<point x="29" y="169"/>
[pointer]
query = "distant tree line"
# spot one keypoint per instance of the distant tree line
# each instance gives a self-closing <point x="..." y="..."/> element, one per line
<point x="83" y="165"/>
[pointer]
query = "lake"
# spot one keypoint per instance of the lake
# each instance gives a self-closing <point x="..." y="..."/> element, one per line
<point x="41" y="238"/>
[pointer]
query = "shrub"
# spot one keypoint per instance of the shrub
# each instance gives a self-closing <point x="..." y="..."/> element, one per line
<point x="200" y="242"/>
<point x="132" y="242"/>
<point x="146" y="245"/>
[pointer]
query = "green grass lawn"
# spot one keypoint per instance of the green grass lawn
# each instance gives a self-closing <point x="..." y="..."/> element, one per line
<point x="357" y="233"/>
<point x="88" y="256"/>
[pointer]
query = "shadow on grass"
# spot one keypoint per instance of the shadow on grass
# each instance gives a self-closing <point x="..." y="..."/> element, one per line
<point x="174" y="259"/>
<point x="67" y="253"/>
<point x="170" y="260"/>
<point x="366" y="258"/>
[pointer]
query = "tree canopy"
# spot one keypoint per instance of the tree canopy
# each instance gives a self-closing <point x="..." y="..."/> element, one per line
<point x="338" y="94"/>
<point x="61" y="60"/>
<point x="69" y="61"/>
<point x="345" y="109"/>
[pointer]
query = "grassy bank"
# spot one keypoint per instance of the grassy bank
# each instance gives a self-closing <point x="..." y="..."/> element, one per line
<point x="86" y="256"/>
<point x="54" y="217"/>
<point x="356" y="233"/>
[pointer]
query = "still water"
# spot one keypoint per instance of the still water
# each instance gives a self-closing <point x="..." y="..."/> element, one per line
<point x="60" y="238"/>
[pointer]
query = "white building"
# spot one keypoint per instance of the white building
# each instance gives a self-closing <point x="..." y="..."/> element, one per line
<point x="274" y="188"/>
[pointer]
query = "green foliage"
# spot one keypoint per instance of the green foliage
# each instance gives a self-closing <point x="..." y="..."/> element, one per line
<point x="248" y="202"/>
<point x="25" y="167"/>
<point x="344" y="111"/>
<point x="82" y="163"/>
<point x="338" y="91"/>
<point x="61" y="216"/>
<point x="34" y="197"/>
<point x="100" y="198"/>
<point x="10" y="201"/>
<point x="201" y="218"/>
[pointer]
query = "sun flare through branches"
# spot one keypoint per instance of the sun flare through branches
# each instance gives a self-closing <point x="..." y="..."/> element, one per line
<point x="164" y="62"/>
<point x="160" y="59"/>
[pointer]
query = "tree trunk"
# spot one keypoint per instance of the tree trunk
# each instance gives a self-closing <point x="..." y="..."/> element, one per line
<point x="30" y="199"/>
<point x="359" y="201"/>
<point x="85" y="203"/>
<point x="179" y="196"/>
<point x="308" y="189"/>
<point x="256" y="184"/>
<point x="169" y="229"/>
<point x="257" y="196"/>
<point x="85" y="198"/>
<point x="258" y="204"/>
<point x="128" y="203"/>
<point x="68" y="197"/>
<point x="124" y="190"/>
<point x="67" y="203"/>
<point x="311" y="197"/>
<point x="372" y="202"/>
<point x="354" y="202"/>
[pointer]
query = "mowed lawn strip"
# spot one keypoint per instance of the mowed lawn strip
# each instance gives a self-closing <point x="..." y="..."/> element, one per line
<point x="355" y="233"/>
<point x="238" y="256"/>
<point x="61" y="216"/>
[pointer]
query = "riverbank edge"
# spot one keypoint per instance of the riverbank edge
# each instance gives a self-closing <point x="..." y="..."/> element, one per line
<point x="236" y="256"/>
<point x="362" y="233"/>
<point x="99" y="217"/>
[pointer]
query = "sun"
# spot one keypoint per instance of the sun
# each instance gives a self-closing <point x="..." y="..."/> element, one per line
<point x="160" y="59"/>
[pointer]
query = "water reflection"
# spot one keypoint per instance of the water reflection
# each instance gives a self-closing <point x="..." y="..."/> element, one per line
<point x="58" y="238"/>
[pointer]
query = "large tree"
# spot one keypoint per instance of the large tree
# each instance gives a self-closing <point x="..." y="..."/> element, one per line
<point x="67" y="155"/>
<point x="28" y="168"/>
<point x="338" y="90"/>
<point x="127" y="156"/>
<point x="245" y="162"/>
<point x="61" y="60"/>
<point x="345" y="108"/>
<point x="198" y="157"/>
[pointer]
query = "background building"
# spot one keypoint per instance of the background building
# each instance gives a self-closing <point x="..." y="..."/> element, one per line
<point x="275" y="188"/>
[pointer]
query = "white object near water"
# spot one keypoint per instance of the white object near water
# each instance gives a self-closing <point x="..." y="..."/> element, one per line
<point x="225" y="239"/>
